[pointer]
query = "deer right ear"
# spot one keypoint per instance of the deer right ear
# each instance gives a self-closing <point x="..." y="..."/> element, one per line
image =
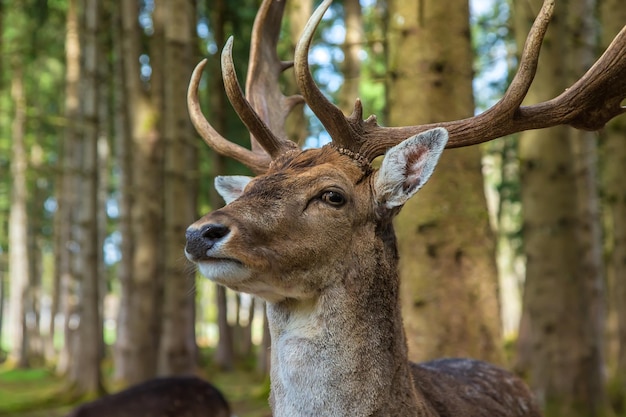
<point x="231" y="187"/>
<point x="407" y="166"/>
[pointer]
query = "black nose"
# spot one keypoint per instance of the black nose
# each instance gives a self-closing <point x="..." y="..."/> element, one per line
<point x="200" y="240"/>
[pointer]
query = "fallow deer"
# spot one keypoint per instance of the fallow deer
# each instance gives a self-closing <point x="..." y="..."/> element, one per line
<point x="313" y="235"/>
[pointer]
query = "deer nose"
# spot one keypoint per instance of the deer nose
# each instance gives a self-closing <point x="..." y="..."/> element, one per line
<point x="200" y="240"/>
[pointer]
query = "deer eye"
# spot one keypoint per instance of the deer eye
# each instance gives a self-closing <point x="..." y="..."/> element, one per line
<point x="333" y="198"/>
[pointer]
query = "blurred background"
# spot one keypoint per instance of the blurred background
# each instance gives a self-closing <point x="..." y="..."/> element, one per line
<point x="515" y="252"/>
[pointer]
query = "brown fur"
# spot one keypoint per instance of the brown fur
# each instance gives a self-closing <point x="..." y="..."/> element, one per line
<point x="161" y="397"/>
<point x="330" y="276"/>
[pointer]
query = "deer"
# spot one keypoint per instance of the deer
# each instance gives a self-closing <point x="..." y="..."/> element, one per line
<point x="312" y="232"/>
<point x="174" y="396"/>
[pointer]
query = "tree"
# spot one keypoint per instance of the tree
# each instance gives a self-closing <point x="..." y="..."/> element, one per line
<point x="564" y="291"/>
<point x="66" y="187"/>
<point x="352" y="46"/>
<point x="85" y="371"/>
<point x="613" y="158"/>
<point x="137" y="350"/>
<point x="449" y="287"/>
<point x="18" y="219"/>
<point x="177" y="350"/>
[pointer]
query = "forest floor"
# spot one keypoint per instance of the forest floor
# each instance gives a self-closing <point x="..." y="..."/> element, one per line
<point x="38" y="393"/>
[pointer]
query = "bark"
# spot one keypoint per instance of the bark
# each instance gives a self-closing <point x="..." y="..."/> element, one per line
<point x="447" y="263"/>
<point x="124" y="160"/>
<point x="352" y="47"/>
<point x="70" y="157"/>
<point x="225" y="352"/>
<point x="103" y="144"/>
<point x="264" y="355"/>
<point x="34" y="293"/>
<point x="564" y="290"/>
<point x="243" y="329"/>
<point x="18" y="221"/>
<point x="138" y="358"/>
<point x="613" y="160"/>
<point x="85" y="369"/>
<point x="298" y="13"/>
<point x="177" y="353"/>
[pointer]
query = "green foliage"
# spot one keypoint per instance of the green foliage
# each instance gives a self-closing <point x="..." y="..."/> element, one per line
<point x="41" y="53"/>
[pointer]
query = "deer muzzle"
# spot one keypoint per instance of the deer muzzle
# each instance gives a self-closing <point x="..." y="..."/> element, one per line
<point x="201" y="240"/>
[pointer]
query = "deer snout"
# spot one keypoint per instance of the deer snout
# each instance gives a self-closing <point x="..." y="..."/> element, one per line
<point x="200" y="240"/>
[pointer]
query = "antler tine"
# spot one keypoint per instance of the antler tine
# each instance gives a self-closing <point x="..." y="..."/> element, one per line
<point x="264" y="68"/>
<point x="339" y="128"/>
<point x="492" y="123"/>
<point x="257" y="127"/>
<point x="588" y="104"/>
<point x="255" y="161"/>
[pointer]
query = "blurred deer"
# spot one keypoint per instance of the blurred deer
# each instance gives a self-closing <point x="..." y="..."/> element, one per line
<point x="184" y="396"/>
<point x="312" y="234"/>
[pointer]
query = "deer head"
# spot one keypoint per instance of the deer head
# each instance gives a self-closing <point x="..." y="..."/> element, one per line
<point x="297" y="183"/>
<point x="312" y="233"/>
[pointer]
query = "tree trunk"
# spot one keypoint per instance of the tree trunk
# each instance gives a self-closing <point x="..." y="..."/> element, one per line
<point x="177" y="353"/>
<point x="224" y="354"/>
<point x="124" y="160"/>
<point x="298" y="12"/>
<point x="64" y="238"/>
<point x="352" y="47"/>
<point x="138" y="358"/>
<point x="564" y="285"/>
<point x="18" y="221"/>
<point x="34" y="338"/>
<point x="447" y="267"/>
<point x="85" y="370"/>
<point x="613" y="16"/>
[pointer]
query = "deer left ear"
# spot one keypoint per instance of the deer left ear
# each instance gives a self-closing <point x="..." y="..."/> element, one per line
<point x="231" y="187"/>
<point x="407" y="166"/>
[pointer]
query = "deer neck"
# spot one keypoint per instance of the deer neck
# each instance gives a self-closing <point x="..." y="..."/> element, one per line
<point x="344" y="353"/>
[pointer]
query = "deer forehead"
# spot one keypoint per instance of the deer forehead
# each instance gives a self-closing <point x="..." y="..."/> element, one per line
<point x="306" y="172"/>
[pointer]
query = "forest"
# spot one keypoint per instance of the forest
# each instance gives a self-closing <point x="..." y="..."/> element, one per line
<point x="514" y="252"/>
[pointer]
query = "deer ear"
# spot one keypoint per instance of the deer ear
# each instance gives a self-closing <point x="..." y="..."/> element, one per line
<point x="231" y="187"/>
<point x="407" y="166"/>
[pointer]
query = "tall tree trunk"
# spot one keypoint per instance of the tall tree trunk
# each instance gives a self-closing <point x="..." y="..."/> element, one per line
<point x="352" y="47"/>
<point x="18" y="220"/>
<point x="3" y="223"/>
<point x="564" y="290"/>
<point x="34" y="338"/>
<point x="66" y="187"/>
<point x="138" y="358"/>
<point x="177" y="353"/>
<point x="296" y="126"/>
<point x="613" y="16"/>
<point x="448" y="273"/>
<point x="123" y="146"/>
<point x="85" y="367"/>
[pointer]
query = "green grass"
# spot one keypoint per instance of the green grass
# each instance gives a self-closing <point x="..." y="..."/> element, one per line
<point x="25" y="390"/>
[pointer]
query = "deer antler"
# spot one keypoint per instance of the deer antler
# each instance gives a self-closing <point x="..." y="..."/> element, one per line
<point x="588" y="104"/>
<point x="265" y="113"/>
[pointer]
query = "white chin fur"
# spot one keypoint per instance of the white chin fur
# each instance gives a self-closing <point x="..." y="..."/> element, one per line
<point x="224" y="272"/>
<point x="237" y="277"/>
